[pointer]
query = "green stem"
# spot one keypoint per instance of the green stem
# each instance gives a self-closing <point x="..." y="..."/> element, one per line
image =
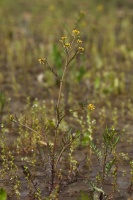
<point x="61" y="83"/>
<point x="104" y="166"/>
<point x="58" y="119"/>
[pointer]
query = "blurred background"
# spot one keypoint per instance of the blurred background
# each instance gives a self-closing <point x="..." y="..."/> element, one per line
<point x="30" y="30"/>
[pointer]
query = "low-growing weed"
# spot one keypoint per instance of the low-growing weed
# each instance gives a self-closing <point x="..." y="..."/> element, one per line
<point x="107" y="159"/>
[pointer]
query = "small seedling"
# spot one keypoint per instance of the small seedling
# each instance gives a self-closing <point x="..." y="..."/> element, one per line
<point x="106" y="157"/>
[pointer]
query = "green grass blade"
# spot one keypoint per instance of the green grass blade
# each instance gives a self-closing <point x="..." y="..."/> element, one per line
<point x="3" y="194"/>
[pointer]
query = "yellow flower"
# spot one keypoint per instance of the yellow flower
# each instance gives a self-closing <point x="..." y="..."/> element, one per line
<point x="11" y="118"/>
<point x="67" y="45"/>
<point x="42" y="60"/>
<point x="75" y="32"/>
<point x="81" y="49"/>
<point x="64" y="38"/>
<point x="91" y="107"/>
<point x="79" y="41"/>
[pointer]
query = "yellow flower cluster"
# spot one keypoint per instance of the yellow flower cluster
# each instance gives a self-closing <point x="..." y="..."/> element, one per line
<point x="42" y="60"/>
<point x="79" y="41"/>
<point x="80" y="49"/>
<point x="75" y="32"/>
<point x="63" y="38"/>
<point x="67" y="45"/>
<point x="91" y="107"/>
<point x="75" y="42"/>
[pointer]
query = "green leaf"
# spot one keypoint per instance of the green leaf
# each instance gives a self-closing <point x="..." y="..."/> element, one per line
<point x="115" y="142"/>
<point x="109" y="165"/>
<point x="85" y="140"/>
<point x="3" y="194"/>
<point x="96" y="151"/>
<point x="85" y="197"/>
<point x="2" y="101"/>
<point x="96" y="188"/>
